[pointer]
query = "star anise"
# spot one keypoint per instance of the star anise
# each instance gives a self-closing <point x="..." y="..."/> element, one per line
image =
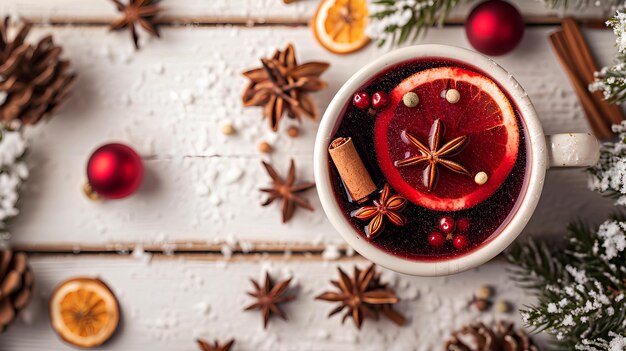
<point x="363" y="296"/>
<point x="435" y="155"/>
<point x="286" y="191"/>
<point x="269" y="297"/>
<point x="137" y="13"/>
<point x="281" y="86"/>
<point x="385" y="207"/>
<point x="215" y="346"/>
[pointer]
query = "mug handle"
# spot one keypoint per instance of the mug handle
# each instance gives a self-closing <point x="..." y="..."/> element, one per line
<point x="572" y="150"/>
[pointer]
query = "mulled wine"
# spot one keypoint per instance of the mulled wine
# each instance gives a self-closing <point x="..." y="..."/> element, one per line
<point x="429" y="159"/>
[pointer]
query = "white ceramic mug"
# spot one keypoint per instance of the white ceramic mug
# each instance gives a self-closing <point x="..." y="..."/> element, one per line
<point x="544" y="151"/>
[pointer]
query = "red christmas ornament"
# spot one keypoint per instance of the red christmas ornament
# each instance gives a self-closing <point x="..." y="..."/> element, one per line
<point x="494" y="27"/>
<point x="114" y="171"/>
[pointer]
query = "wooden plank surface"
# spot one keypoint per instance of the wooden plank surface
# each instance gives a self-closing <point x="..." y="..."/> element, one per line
<point x="239" y="11"/>
<point x="168" y="302"/>
<point x="169" y="101"/>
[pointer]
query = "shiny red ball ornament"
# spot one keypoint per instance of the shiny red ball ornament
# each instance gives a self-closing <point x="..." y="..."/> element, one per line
<point x="114" y="171"/>
<point x="494" y="27"/>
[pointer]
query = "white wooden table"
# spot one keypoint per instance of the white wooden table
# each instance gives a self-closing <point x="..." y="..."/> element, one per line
<point x="180" y="252"/>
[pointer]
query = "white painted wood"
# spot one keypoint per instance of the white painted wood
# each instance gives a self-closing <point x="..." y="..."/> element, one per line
<point x="167" y="303"/>
<point x="201" y="185"/>
<point x="230" y="10"/>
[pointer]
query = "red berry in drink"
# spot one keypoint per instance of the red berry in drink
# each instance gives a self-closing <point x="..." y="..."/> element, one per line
<point x="361" y="100"/>
<point x="463" y="224"/>
<point x="446" y="224"/>
<point x="380" y="100"/>
<point x="460" y="242"/>
<point x="436" y="239"/>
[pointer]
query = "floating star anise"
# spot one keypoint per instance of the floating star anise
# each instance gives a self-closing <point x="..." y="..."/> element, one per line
<point x="286" y="191"/>
<point x="281" y="86"/>
<point x="435" y="155"/>
<point x="215" y="346"/>
<point x="137" y="13"/>
<point x="269" y="297"/>
<point x="363" y="296"/>
<point x="386" y="206"/>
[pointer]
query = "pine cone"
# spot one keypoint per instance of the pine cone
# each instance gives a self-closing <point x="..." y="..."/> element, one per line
<point x="33" y="77"/>
<point x="479" y="337"/>
<point x="16" y="285"/>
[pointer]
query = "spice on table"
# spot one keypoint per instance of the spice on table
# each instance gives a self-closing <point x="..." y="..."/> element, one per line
<point x="485" y="292"/>
<point x="228" y="128"/>
<point x="286" y="190"/>
<point x="137" y="13"/>
<point x="215" y="346"/>
<point x="503" y="306"/>
<point x="293" y="132"/>
<point x="282" y="86"/>
<point x="577" y="61"/>
<point x="351" y="169"/>
<point x="265" y="147"/>
<point x="363" y="296"/>
<point x="269" y="297"/>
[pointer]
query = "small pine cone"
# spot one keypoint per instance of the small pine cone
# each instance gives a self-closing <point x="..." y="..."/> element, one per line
<point x="35" y="78"/>
<point x="16" y="285"/>
<point x="479" y="337"/>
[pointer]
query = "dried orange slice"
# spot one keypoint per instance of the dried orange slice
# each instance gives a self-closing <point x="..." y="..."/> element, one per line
<point x="339" y="25"/>
<point x="84" y="312"/>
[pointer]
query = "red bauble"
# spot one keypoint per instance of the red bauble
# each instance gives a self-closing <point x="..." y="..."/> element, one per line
<point x="494" y="27"/>
<point x="114" y="171"/>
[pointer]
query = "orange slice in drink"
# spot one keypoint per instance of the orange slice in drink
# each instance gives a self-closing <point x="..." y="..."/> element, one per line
<point x="339" y="25"/>
<point x="84" y="312"/>
<point x="474" y="149"/>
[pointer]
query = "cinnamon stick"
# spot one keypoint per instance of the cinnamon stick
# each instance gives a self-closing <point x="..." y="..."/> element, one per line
<point x="597" y="122"/>
<point x="351" y="169"/>
<point x="586" y="67"/>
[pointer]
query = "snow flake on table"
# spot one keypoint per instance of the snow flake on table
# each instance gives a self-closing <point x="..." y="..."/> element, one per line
<point x="13" y="172"/>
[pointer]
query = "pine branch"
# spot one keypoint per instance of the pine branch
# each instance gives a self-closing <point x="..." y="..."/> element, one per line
<point x="611" y="80"/>
<point x="580" y="289"/>
<point x="401" y="20"/>
<point x="607" y="4"/>
<point x="535" y="265"/>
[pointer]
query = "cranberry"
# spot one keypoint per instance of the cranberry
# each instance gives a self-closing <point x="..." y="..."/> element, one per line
<point x="446" y="224"/>
<point x="361" y="100"/>
<point x="380" y="100"/>
<point x="436" y="239"/>
<point x="463" y="224"/>
<point x="460" y="242"/>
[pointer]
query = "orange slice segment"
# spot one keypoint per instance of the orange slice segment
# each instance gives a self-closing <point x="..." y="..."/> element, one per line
<point x="84" y="312"/>
<point x="339" y="25"/>
<point x="483" y="115"/>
